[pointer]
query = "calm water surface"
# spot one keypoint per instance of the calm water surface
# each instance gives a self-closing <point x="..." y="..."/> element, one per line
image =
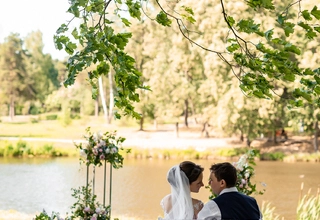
<point x="31" y="185"/>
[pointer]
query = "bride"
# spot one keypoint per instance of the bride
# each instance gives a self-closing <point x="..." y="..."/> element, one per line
<point x="183" y="179"/>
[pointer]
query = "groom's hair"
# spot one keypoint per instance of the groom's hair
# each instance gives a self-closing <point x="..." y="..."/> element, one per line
<point x="225" y="171"/>
<point x="191" y="170"/>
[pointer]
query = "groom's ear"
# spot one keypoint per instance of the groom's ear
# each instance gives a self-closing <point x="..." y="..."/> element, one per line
<point x="223" y="183"/>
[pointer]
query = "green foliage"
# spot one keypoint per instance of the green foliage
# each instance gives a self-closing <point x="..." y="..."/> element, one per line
<point x="101" y="46"/>
<point x="86" y="206"/>
<point x="276" y="156"/>
<point x="51" y="117"/>
<point x="162" y="18"/>
<point x="44" y="216"/>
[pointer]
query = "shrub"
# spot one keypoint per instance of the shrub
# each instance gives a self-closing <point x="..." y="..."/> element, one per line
<point x="52" y="117"/>
<point x="272" y="156"/>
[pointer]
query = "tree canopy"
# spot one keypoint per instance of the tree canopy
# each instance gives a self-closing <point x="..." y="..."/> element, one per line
<point x="262" y="46"/>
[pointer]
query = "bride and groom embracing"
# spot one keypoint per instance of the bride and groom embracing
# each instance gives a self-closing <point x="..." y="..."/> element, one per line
<point x="229" y="204"/>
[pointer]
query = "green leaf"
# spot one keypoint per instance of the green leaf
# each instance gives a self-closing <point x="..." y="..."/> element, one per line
<point x="75" y="33"/>
<point x="315" y="12"/>
<point x="317" y="89"/>
<point x="288" y="28"/>
<point x="125" y="22"/>
<point x="289" y="76"/>
<point x="306" y="15"/>
<point x="188" y="10"/>
<point x="308" y="72"/>
<point x="317" y="78"/>
<point x="163" y="19"/>
<point x="304" y="25"/>
<point x="268" y="34"/>
<point x="292" y="48"/>
<point x="317" y="29"/>
<point x="63" y="28"/>
<point x="248" y="26"/>
<point x="231" y="20"/>
<point x="233" y="47"/>
<point x="311" y="34"/>
<point x="281" y="19"/>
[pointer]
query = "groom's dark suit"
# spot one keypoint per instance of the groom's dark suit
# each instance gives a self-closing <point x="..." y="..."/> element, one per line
<point x="237" y="206"/>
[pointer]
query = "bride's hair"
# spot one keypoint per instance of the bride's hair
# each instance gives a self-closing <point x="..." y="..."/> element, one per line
<point x="180" y="206"/>
<point x="191" y="170"/>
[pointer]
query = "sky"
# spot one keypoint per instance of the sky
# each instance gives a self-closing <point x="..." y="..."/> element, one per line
<point x="25" y="16"/>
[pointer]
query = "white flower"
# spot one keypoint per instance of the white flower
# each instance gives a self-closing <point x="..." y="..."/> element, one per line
<point x="114" y="150"/>
<point x="83" y="154"/>
<point x="107" y="151"/>
<point x="102" y="143"/>
<point x="98" y="210"/>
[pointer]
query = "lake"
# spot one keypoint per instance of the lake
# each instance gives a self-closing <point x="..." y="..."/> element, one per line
<point x="30" y="185"/>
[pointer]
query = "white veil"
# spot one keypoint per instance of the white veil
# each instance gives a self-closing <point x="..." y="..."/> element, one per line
<point x="181" y="202"/>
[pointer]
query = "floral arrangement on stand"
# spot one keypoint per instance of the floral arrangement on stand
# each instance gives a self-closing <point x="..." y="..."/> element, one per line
<point x="245" y="167"/>
<point x="99" y="149"/>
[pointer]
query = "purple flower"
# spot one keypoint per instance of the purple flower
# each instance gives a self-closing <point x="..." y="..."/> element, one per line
<point x="98" y="210"/>
<point x="114" y="150"/>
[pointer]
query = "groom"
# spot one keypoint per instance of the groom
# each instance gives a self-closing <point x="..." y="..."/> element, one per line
<point x="229" y="204"/>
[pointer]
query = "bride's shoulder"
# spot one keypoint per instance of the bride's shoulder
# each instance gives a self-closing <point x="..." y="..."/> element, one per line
<point x="166" y="203"/>
<point x="197" y="204"/>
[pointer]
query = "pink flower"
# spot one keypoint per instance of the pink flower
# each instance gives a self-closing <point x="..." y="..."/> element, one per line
<point x="94" y="217"/>
<point x="102" y="157"/>
<point x="87" y="209"/>
<point x="98" y="210"/>
<point x="243" y="181"/>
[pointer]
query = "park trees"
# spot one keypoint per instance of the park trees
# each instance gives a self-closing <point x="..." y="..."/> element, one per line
<point x="261" y="44"/>
<point x="256" y="64"/>
<point x="15" y="83"/>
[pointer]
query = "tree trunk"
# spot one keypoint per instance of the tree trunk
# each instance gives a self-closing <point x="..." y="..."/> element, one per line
<point x="141" y="123"/>
<point x="177" y="129"/>
<point x="241" y="136"/>
<point x="205" y="129"/>
<point x="11" y="108"/>
<point x="186" y="112"/>
<point x="111" y="101"/>
<point x="316" y="132"/>
<point x="96" y="108"/>
<point x="103" y="100"/>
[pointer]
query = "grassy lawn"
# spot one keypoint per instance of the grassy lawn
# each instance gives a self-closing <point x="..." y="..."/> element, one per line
<point x="56" y="129"/>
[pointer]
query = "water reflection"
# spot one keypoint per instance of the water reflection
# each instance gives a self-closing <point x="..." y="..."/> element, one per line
<point x="30" y="185"/>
